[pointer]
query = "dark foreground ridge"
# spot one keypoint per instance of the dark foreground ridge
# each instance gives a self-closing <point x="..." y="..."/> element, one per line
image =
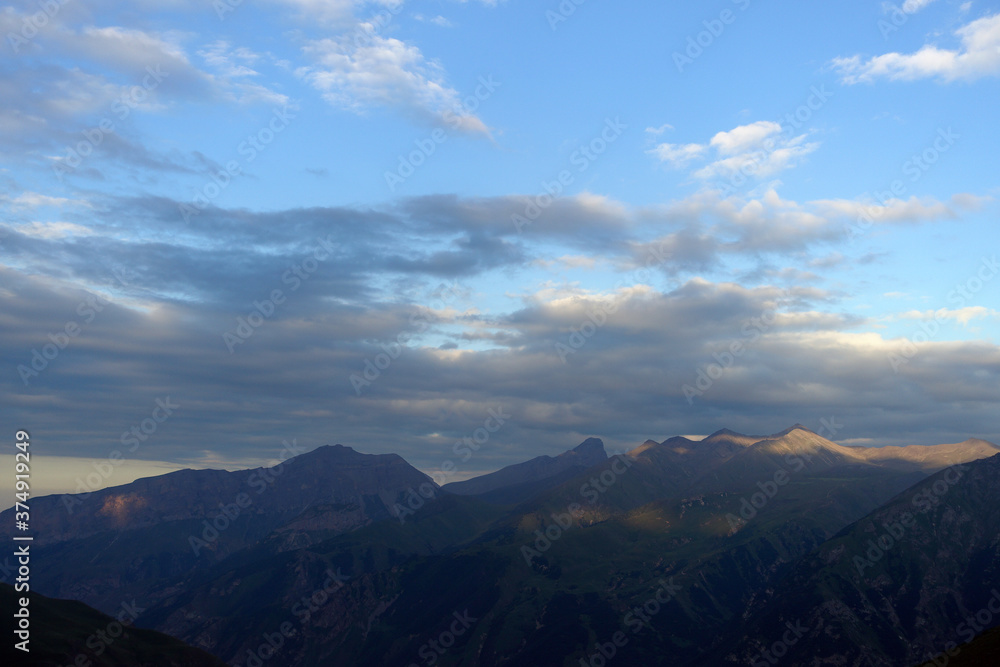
<point x="66" y="632"/>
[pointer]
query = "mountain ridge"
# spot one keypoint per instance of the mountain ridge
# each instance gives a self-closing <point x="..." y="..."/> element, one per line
<point x="714" y="509"/>
<point x="588" y="453"/>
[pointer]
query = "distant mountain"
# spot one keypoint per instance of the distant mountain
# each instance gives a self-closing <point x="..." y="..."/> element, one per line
<point x="521" y="479"/>
<point x="655" y="471"/>
<point x="64" y="630"/>
<point x="929" y="458"/>
<point x="132" y="539"/>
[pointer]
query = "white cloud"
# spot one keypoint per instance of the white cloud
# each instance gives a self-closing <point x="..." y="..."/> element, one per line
<point x="970" y="201"/>
<point x="961" y="315"/>
<point x="678" y="155"/>
<point x="384" y="71"/>
<point x="779" y="155"/>
<point x="914" y="6"/>
<point x="361" y="67"/>
<point x="129" y="50"/>
<point x="914" y="209"/>
<point x="53" y="230"/>
<point x="568" y="262"/>
<point x="768" y="223"/>
<point x="233" y="64"/>
<point x="436" y="20"/>
<point x="978" y="56"/>
<point x="657" y="131"/>
<point x="113" y="60"/>
<point x="32" y="200"/>
<point x="330" y="12"/>
<point x="745" y="137"/>
<point x="229" y="61"/>
<point x="758" y="149"/>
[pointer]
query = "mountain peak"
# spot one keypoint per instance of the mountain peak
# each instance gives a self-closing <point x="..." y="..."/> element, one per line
<point x="794" y="427"/>
<point x="799" y="439"/>
<point x="341" y="455"/>
<point x="979" y="442"/>
<point x="723" y="431"/>
<point x="590" y="446"/>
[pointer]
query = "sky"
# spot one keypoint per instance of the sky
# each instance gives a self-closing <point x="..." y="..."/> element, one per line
<point x="396" y="225"/>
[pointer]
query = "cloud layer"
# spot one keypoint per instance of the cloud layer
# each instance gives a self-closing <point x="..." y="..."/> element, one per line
<point x="379" y="342"/>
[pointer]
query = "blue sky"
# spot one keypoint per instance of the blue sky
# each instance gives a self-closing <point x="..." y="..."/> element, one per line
<point x="828" y="166"/>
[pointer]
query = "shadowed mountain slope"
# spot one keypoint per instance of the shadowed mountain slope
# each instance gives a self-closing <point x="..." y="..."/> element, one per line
<point x="725" y="521"/>
<point x="899" y="585"/>
<point x="588" y="453"/>
<point x="651" y="520"/>
<point x="64" y="630"/>
<point x="139" y="537"/>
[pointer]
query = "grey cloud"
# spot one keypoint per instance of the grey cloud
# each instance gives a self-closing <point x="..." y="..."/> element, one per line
<point x="162" y="335"/>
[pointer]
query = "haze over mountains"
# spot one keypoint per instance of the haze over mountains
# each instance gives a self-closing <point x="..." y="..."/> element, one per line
<point x="676" y="552"/>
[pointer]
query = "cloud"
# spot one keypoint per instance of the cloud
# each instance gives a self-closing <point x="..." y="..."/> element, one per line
<point x="159" y="332"/>
<point x="970" y="202"/>
<point x="977" y="57"/>
<point x="961" y="315"/>
<point x="757" y="149"/>
<point x="744" y="138"/>
<point x="657" y="131"/>
<point x="678" y="155"/>
<point x="229" y="61"/>
<point x="326" y="12"/>
<point x="569" y="262"/>
<point x="109" y="74"/>
<point x="436" y="20"/>
<point x="53" y="230"/>
<point x="118" y="58"/>
<point x="626" y="383"/>
<point x="893" y="210"/>
<point x="33" y="200"/>
<point x="340" y="13"/>
<point x="914" y="6"/>
<point x="384" y="71"/>
<point x="773" y="157"/>
<point x="233" y="65"/>
<point x="361" y="67"/>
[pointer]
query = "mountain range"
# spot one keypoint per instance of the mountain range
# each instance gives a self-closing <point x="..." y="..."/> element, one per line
<point x="733" y="549"/>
